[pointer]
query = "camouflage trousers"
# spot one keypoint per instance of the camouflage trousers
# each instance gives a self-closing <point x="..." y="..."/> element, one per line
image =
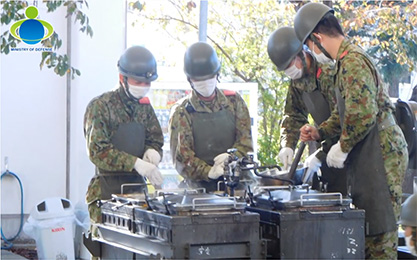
<point x="95" y="217"/>
<point x="384" y="246"/>
<point x="92" y="196"/>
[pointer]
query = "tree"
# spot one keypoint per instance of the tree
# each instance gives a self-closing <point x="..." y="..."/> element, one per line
<point x="387" y="31"/>
<point x="13" y="11"/>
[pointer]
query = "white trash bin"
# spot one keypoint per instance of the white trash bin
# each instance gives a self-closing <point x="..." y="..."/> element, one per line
<point x="52" y="224"/>
<point x="83" y="224"/>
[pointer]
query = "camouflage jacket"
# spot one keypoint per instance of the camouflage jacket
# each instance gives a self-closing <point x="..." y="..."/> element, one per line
<point x="101" y="121"/>
<point x="295" y="111"/>
<point x="181" y="133"/>
<point x="366" y="99"/>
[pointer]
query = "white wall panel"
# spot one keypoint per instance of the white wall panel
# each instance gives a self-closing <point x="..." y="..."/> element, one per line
<point x="33" y="107"/>
<point x="97" y="59"/>
<point x="32" y="125"/>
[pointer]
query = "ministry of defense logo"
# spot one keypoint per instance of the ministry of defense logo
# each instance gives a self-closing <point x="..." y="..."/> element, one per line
<point x="31" y="30"/>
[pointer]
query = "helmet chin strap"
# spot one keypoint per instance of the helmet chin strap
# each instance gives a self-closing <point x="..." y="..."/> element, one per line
<point x="191" y="83"/>
<point x="322" y="49"/>
<point x="303" y="61"/>
<point x="126" y="88"/>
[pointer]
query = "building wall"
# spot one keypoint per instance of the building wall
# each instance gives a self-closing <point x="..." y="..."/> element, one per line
<point x="33" y="112"/>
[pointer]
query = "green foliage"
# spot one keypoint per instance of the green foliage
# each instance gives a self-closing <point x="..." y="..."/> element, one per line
<point x="15" y="10"/>
<point x="270" y="113"/>
<point x="386" y="30"/>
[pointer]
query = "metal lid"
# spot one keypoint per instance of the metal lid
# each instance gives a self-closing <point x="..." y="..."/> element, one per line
<point x="177" y="204"/>
<point x="282" y="197"/>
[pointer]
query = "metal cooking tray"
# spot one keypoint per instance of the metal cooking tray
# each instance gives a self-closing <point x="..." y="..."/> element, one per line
<point x="137" y="199"/>
<point x="283" y="198"/>
<point x="141" y="198"/>
<point x="177" y="204"/>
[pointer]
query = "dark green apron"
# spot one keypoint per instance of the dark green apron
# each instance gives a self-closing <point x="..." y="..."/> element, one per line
<point x="129" y="138"/>
<point x="213" y="134"/>
<point x="367" y="181"/>
<point x="318" y="107"/>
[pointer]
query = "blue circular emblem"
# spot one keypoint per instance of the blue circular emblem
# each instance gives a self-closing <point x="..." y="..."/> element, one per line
<point x="31" y="31"/>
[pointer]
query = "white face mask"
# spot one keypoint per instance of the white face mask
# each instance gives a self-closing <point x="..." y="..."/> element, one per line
<point x="321" y="58"/>
<point x="205" y="87"/>
<point x="412" y="248"/>
<point x="138" y="91"/>
<point x="293" y="72"/>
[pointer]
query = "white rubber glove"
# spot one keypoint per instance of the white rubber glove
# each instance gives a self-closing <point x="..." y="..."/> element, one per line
<point x="285" y="156"/>
<point x="313" y="164"/>
<point x="149" y="171"/>
<point x="335" y="157"/>
<point x="152" y="156"/>
<point x="216" y="171"/>
<point x="221" y="158"/>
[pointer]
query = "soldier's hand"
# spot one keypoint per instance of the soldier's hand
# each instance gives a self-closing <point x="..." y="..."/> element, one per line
<point x="309" y="133"/>
<point x="221" y="159"/>
<point x="216" y="171"/>
<point x="152" y="156"/>
<point x="285" y="156"/>
<point x="313" y="164"/>
<point x="149" y="171"/>
<point x="335" y="157"/>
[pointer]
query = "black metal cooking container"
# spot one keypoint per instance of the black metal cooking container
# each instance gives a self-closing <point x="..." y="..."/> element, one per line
<point x="313" y="229"/>
<point x="220" y="231"/>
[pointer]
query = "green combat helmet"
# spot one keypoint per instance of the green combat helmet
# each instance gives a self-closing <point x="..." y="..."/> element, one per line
<point x="283" y="46"/>
<point x="138" y="63"/>
<point x="409" y="211"/>
<point x="307" y="18"/>
<point x="201" y="62"/>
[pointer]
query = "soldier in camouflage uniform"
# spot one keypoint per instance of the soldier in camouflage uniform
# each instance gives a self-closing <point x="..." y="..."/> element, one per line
<point x="371" y="147"/>
<point x="206" y="123"/>
<point x="124" y="137"/>
<point x="311" y="91"/>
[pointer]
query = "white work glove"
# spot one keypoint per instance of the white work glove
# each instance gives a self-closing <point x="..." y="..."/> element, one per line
<point x="285" y="156"/>
<point x="335" y="157"/>
<point x="221" y="158"/>
<point x="149" y="171"/>
<point x="313" y="164"/>
<point x="152" y="156"/>
<point x="216" y="171"/>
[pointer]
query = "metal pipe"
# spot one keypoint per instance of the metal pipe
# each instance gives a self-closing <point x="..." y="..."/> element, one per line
<point x="125" y="36"/>
<point x="202" y="29"/>
<point x="68" y="108"/>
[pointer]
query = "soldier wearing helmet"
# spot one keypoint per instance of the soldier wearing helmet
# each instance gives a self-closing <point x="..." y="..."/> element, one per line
<point x="206" y="123"/>
<point x="124" y="137"/>
<point x="408" y="221"/>
<point x="371" y="145"/>
<point x="310" y="92"/>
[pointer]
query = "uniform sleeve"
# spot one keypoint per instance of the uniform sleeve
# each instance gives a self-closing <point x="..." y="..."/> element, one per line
<point x="154" y="136"/>
<point x="360" y="93"/>
<point x="295" y="116"/>
<point x="243" y="141"/>
<point x="182" y="147"/>
<point x="331" y="127"/>
<point x="173" y="130"/>
<point x="97" y="133"/>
